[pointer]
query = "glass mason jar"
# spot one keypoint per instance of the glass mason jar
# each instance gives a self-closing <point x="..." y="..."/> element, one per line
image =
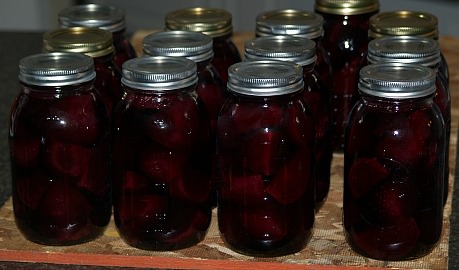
<point x="60" y="151"/>
<point x="297" y="23"/>
<point x="210" y="89"/>
<point x="302" y="51"/>
<point x="216" y="23"/>
<point x="419" y="51"/>
<point x="161" y="189"/>
<point x="344" y="45"/>
<point x="96" y="43"/>
<point x="105" y="17"/>
<point x="265" y="156"/>
<point x="393" y="164"/>
<point x="408" y="23"/>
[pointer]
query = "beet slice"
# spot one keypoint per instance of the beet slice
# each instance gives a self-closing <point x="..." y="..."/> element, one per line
<point x="75" y="120"/>
<point x="65" y="159"/>
<point x="365" y="174"/>
<point x="394" y="242"/>
<point x="292" y="180"/>
<point x="243" y="190"/>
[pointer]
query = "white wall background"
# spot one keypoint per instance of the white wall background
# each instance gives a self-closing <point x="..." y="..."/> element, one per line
<point x="40" y="15"/>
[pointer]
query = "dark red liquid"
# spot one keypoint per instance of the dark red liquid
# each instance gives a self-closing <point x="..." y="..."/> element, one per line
<point x="60" y="160"/>
<point x="266" y="203"/>
<point x="108" y="81"/>
<point x="212" y="94"/>
<point x="317" y="99"/>
<point x="225" y="54"/>
<point x="123" y="48"/>
<point x="161" y="170"/>
<point x="393" y="179"/>
<point x="344" y="47"/>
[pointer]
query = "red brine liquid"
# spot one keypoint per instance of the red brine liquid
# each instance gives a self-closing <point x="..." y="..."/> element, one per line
<point x="393" y="177"/>
<point x="60" y="160"/>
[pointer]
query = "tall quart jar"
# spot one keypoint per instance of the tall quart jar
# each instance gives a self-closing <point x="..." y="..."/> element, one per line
<point x="105" y="17"/>
<point x="408" y="23"/>
<point x="302" y="51"/>
<point x="210" y="89"/>
<point x="159" y="137"/>
<point x="419" y="51"/>
<point x="297" y="23"/>
<point x="98" y="44"/>
<point x="394" y="164"/>
<point x="60" y="151"/>
<point x="344" y="46"/>
<point x="265" y="152"/>
<point x="214" y="22"/>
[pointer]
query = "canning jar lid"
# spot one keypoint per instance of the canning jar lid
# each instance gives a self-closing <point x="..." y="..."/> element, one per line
<point x="93" y="42"/>
<point x="56" y="69"/>
<point x="210" y="21"/>
<point x="403" y="23"/>
<point x="346" y="7"/>
<point x="192" y="45"/>
<point x="404" y="49"/>
<point x="289" y="22"/>
<point x="159" y="73"/>
<point x="265" y="78"/>
<point x="396" y="81"/>
<point x="302" y="51"/>
<point x="106" y="17"/>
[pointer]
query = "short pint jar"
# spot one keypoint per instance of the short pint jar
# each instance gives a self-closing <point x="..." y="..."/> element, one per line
<point x="265" y="152"/>
<point x="161" y="190"/>
<point x="394" y="164"/>
<point x="60" y="151"/>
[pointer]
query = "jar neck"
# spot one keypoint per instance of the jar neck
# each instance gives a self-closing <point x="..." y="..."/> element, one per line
<point x="52" y="92"/>
<point x="396" y="105"/>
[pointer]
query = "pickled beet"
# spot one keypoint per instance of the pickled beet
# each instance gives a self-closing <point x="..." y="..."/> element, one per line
<point x="25" y="151"/>
<point x="244" y="190"/>
<point x="366" y="174"/>
<point x="264" y="149"/>
<point x="63" y="159"/>
<point x="293" y="173"/>
<point x="74" y="119"/>
<point x="394" y="241"/>
<point x="30" y="189"/>
<point x="172" y="126"/>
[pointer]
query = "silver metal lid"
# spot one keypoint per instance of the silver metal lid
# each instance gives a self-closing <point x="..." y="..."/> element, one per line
<point x="302" y="51"/>
<point x="159" y="73"/>
<point x="265" y="78"/>
<point x="106" y="17"/>
<point x="56" y="69"/>
<point x="192" y="45"/>
<point x="292" y="22"/>
<point x="403" y="49"/>
<point x="397" y="81"/>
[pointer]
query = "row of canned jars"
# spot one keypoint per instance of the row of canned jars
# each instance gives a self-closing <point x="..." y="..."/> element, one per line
<point x="266" y="178"/>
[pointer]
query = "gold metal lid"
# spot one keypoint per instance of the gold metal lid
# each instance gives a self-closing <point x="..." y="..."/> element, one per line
<point x="346" y="7"/>
<point x="210" y="21"/>
<point x="294" y="22"/>
<point x="404" y="23"/>
<point x="93" y="42"/>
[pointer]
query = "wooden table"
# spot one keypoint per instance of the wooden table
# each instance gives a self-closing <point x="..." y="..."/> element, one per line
<point x="326" y="250"/>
